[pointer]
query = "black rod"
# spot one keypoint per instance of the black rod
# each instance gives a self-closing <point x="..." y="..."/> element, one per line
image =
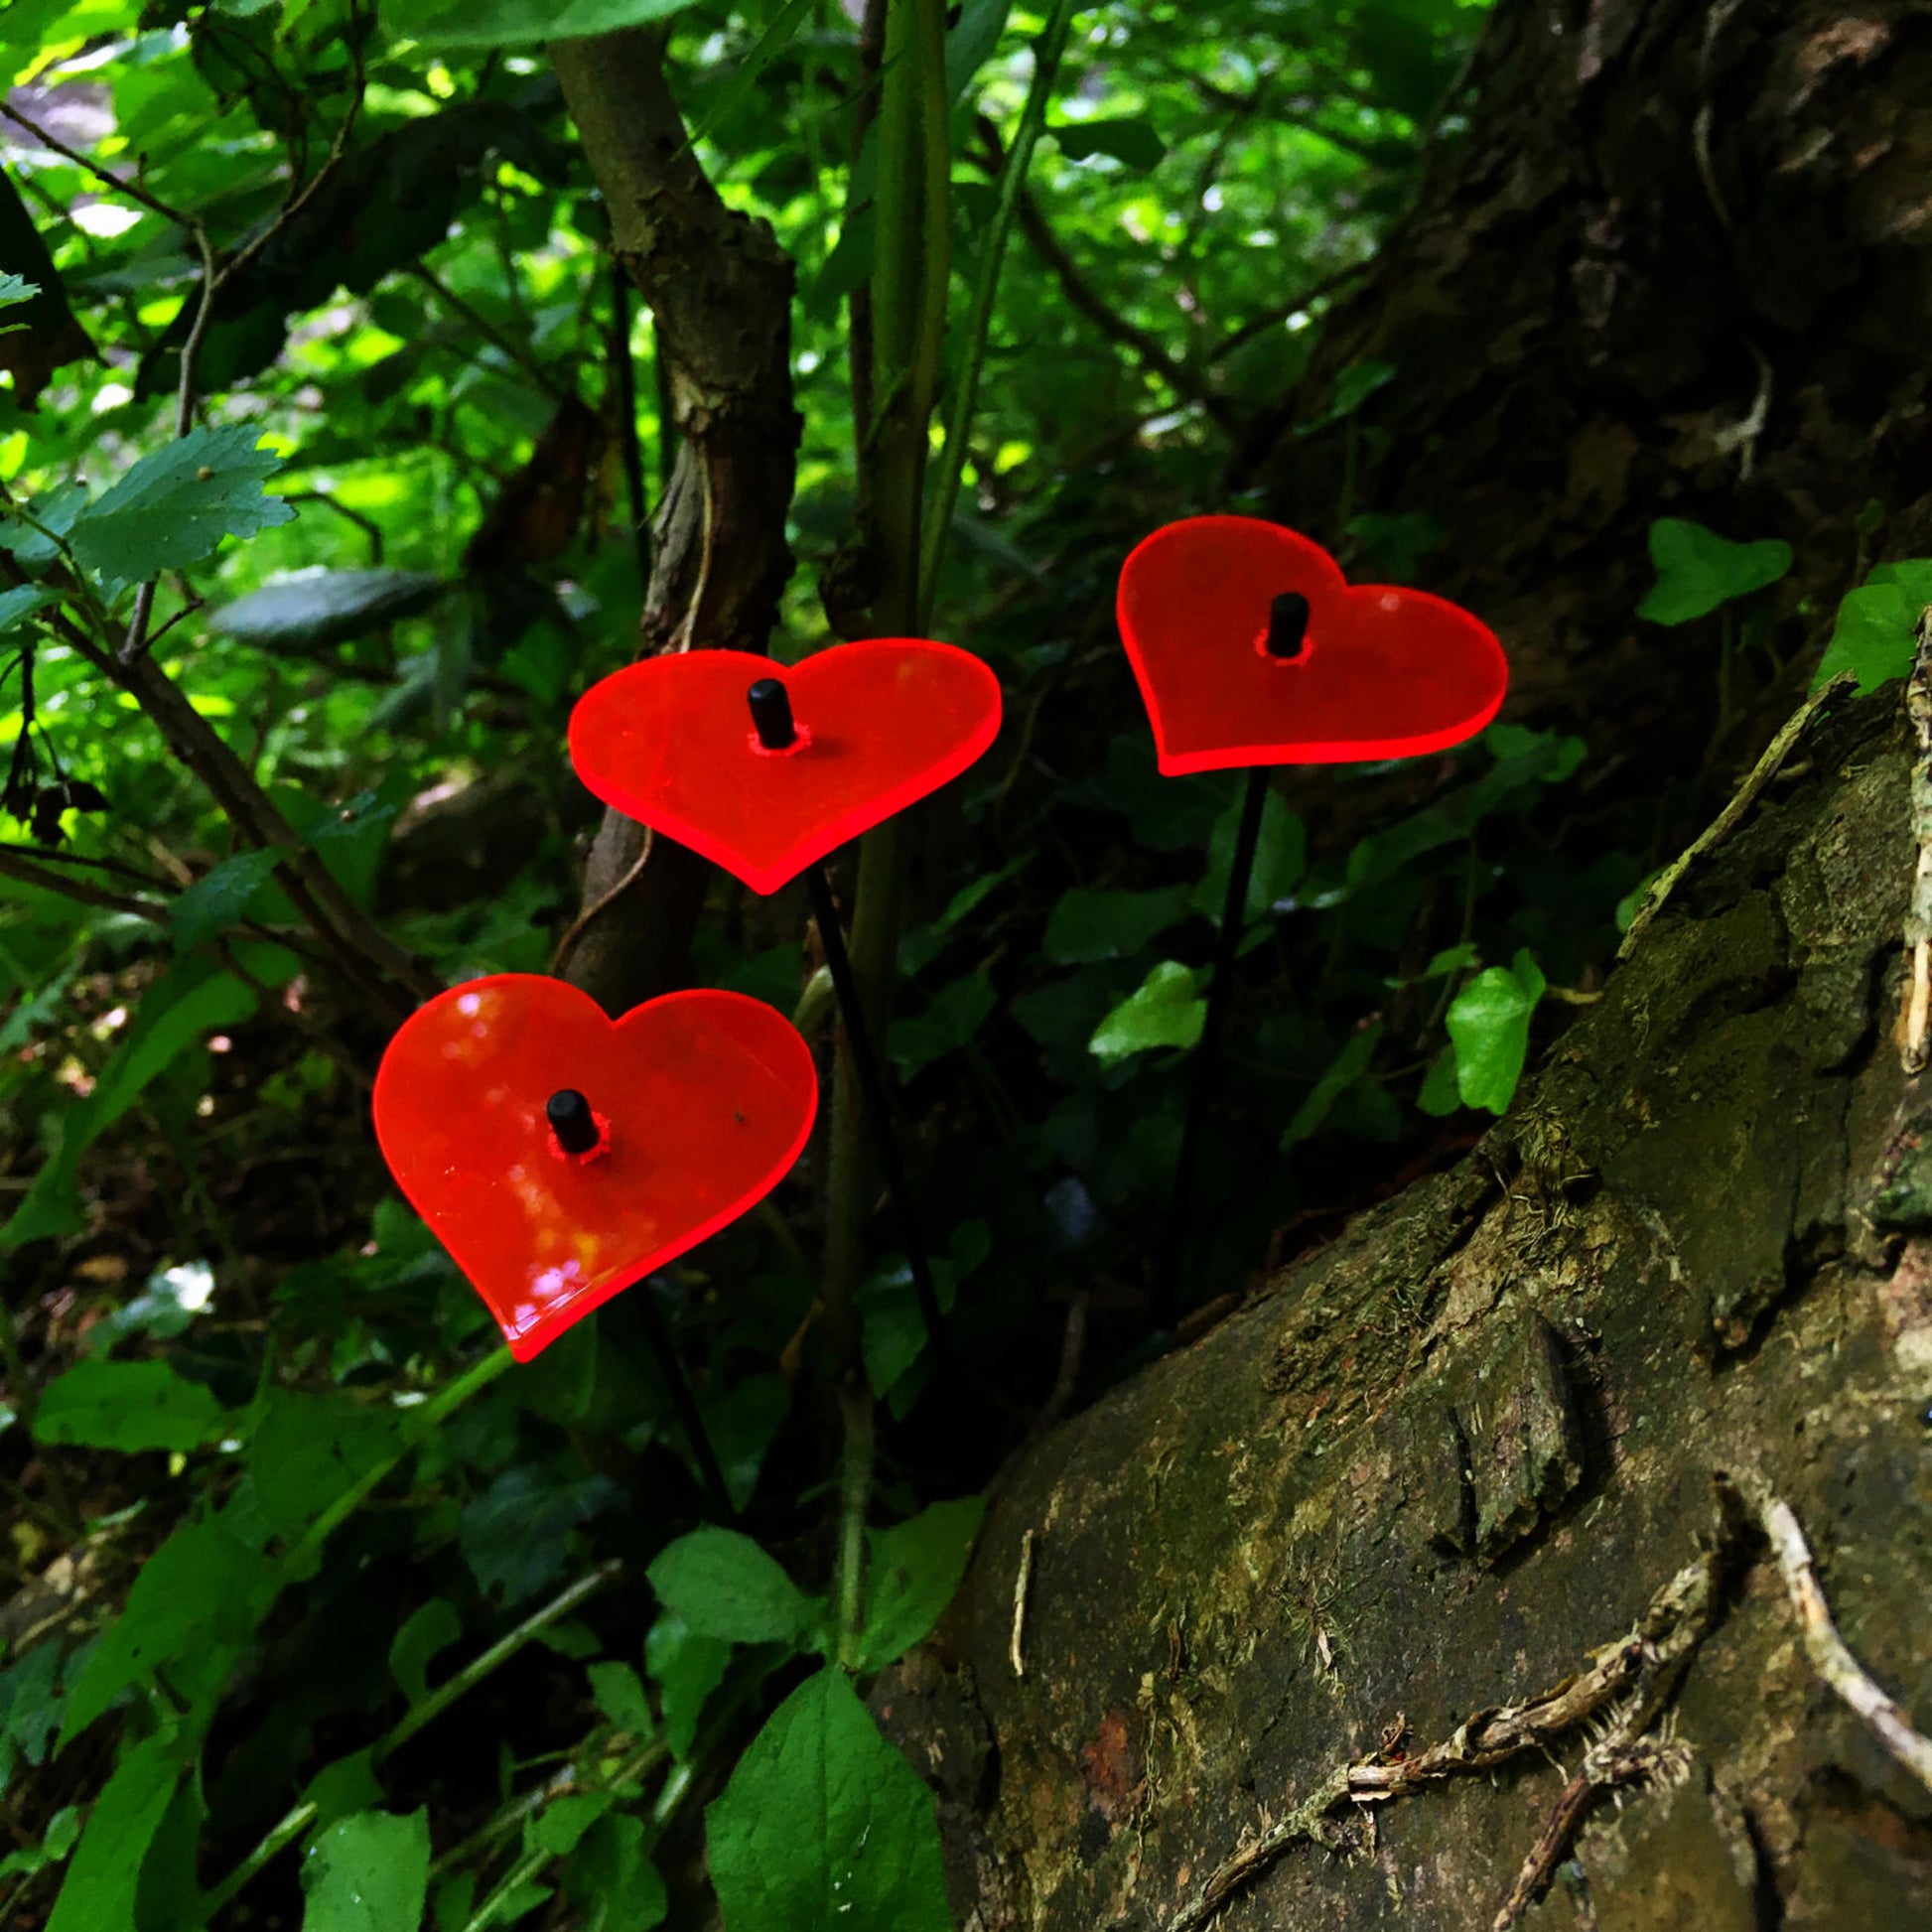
<point x="872" y="1088"/>
<point x="1241" y="865"/>
<point x="683" y="1398"/>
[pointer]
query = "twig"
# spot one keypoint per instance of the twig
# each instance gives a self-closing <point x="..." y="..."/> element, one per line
<point x="1274" y="317"/>
<point x="29" y="873"/>
<point x="1020" y="1582"/>
<point x="1728" y="820"/>
<point x="132" y="190"/>
<point x="1641" y="1667"/>
<point x="1828" y="1651"/>
<point x="1918" y="1025"/>
<point x="480" y="321"/>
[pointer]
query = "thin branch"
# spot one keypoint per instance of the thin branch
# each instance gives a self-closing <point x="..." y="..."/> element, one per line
<point x="1272" y="318"/>
<point x="1830" y="1655"/>
<point x="131" y="188"/>
<point x="29" y="873"/>
<point x="480" y="321"/>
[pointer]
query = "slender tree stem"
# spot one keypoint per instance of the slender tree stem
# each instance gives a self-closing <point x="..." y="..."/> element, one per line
<point x="872" y="1087"/>
<point x="682" y="1398"/>
<point x="1168" y="1286"/>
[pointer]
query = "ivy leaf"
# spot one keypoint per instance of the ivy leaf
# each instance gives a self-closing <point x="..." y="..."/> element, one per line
<point x="178" y="502"/>
<point x="1088" y="925"/>
<point x="1341" y="1074"/>
<point x="953" y="1016"/>
<point x="1490" y="1024"/>
<point x="515" y="1536"/>
<point x="1281" y="857"/>
<point x="368" y="1873"/>
<point x="724" y="1585"/>
<point x="870" y="1856"/>
<point x="1166" y="1010"/>
<point x="1698" y="570"/>
<point x="127" y="1405"/>
<point x="221" y="898"/>
<point x="1873" y="635"/>
<point x="913" y="1574"/>
<point x="429" y="1629"/>
<point x="1441" y="1094"/>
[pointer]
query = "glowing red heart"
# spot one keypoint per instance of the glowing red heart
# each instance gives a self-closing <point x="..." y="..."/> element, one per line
<point x="1384" y="672"/>
<point x="702" y="1102"/>
<point x="881" y="723"/>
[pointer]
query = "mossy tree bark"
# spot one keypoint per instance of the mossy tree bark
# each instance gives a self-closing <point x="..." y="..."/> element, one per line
<point x="1678" y="265"/>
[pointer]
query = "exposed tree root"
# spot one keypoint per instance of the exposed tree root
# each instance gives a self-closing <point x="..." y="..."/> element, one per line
<point x="1629" y="1682"/>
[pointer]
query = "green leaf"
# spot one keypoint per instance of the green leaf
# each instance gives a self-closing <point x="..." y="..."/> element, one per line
<point x="221" y="898"/>
<point x="178" y="502"/>
<point x="922" y="946"/>
<point x="516" y="23"/>
<point x="611" y="1879"/>
<point x="515" y="1536"/>
<point x="128" y="1405"/>
<point x="309" y="1448"/>
<point x="1873" y="635"/>
<point x="1341" y="1074"/>
<point x="913" y="1574"/>
<point x="1441" y="1094"/>
<point x="1490" y="1024"/>
<point x="1132" y="141"/>
<point x="31" y="1700"/>
<point x="1088" y="925"/>
<point x="1166" y="1010"/>
<point x="894" y="1325"/>
<point x="321" y="608"/>
<point x="429" y="1629"/>
<point x="1281" y="857"/>
<point x="870" y="1856"/>
<point x="619" y="1692"/>
<point x="164" y="1308"/>
<point x="557" y="1828"/>
<point x="99" y="1890"/>
<point x="16" y="289"/>
<point x="1353" y="387"/>
<point x="19" y="604"/>
<point x="971" y="40"/>
<point x="202" y="1591"/>
<point x="1698" y="570"/>
<point x="951" y="1017"/>
<point x="724" y="1585"/>
<point x="686" y="1668"/>
<point x="367" y="1873"/>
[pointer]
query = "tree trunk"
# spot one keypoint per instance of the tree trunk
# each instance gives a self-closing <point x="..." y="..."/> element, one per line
<point x="1224" y="1635"/>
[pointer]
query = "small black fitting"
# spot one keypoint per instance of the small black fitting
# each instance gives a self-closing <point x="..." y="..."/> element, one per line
<point x="772" y="713"/>
<point x="1288" y="624"/>
<point x="569" y="1114"/>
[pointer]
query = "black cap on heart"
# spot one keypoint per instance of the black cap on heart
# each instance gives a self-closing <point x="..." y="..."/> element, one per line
<point x="1288" y="624"/>
<point x="772" y="713"/>
<point x="569" y="1114"/>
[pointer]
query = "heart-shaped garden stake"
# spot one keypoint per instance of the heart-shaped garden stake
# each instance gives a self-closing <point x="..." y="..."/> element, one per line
<point x="1250" y="648"/>
<point x="766" y="774"/>
<point x="874" y="726"/>
<point x="560" y="1156"/>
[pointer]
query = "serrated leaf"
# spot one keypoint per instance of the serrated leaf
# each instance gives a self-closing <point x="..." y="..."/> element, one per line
<point x="19" y="604"/>
<point x="870" y="1854"/>
<point x="1489" y="1024"/>
<point x="1698" y="570"/>
<point x="913" y="1573"/>
<point x="178" y="502"/>
<point x="1165" y="1010"/>
<point x="368" y="1873"/>
<point x="686" y="1668"/>
<point x="517" y="23"/>
<point x="16" y="289"/>
<point x="221" y="898"/>
<point x="127" y="1405"/>
<point x="323" y="607"/>
<point x="724" y="1585"/>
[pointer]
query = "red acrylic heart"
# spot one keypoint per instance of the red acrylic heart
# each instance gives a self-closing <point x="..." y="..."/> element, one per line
<point x="1384" y="672"/>
<point x="881" y="723"/>
<point x="704" y="1100"/>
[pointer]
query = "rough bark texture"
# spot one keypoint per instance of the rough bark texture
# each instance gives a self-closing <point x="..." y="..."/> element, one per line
<point x="1679" y="265"/>
<point x="1435" y="1465"/>
<point x="720" y="289"/>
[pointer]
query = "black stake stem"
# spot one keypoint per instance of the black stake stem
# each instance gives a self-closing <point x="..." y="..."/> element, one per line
<point x="872" y="1088"/>
<point x="1241" y="865"/>
<point x="682" y="1397"/>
